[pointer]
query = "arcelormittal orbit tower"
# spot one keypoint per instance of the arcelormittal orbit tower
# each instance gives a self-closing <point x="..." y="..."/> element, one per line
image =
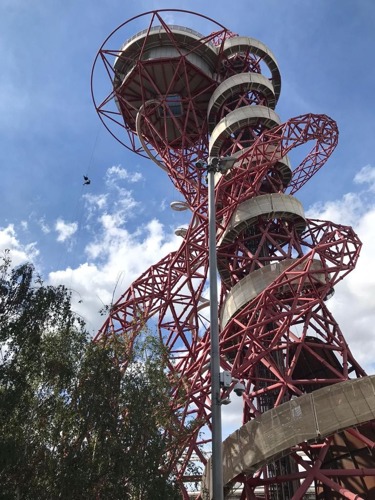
<point x="177" y="96"/>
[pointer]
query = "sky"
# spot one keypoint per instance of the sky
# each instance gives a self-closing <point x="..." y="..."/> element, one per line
<point x="98" y="238"/>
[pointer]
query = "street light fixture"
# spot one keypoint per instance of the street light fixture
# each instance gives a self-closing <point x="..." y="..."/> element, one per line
<point x="212" y="166"/>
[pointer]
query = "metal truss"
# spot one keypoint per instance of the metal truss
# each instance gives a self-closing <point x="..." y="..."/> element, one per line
<point x="178" y="96"/>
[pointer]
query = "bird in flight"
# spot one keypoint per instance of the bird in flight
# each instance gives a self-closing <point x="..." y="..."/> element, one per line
<point x="86" y="180"/>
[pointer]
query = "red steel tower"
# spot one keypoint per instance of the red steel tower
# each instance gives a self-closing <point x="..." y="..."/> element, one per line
<point x="177" y="96"/>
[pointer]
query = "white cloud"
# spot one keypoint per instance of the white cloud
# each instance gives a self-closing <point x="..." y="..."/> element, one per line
<point x="115" y="259"/>
<point x="117" y="172"/>
<point x="114" y="251"/>
<point x="163" y="205"/>
<point x="346" y="211"/>
<point x="18" y="252"/>
<point x="353" y="304"/>
<point x="116" y="206"/>
<point x="130" y="253"/>
<point x="95" y="202"/>
<point x="65" y="230"/>
<point x="90" y="289"/>
<point x="232" y="415"/>
<point x="44" y="226"/>
<point x="366" y="176"/>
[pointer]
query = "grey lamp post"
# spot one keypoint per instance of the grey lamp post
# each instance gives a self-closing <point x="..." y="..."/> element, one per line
<point x="213" y="166"/>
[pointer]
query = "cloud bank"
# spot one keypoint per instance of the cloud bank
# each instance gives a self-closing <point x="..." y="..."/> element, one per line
<point x="115" y="256"/>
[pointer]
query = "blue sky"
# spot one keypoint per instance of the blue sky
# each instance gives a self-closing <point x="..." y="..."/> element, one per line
<point x="97" y="239"/>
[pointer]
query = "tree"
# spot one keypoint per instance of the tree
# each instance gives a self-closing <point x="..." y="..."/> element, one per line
<point x="72" y="425"/>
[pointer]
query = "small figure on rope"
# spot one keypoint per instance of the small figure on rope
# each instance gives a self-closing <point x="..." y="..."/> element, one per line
<point x="86" y="180"/>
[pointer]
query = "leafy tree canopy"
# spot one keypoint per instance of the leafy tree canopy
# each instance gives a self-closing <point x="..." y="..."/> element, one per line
<point x="72" y="425"/>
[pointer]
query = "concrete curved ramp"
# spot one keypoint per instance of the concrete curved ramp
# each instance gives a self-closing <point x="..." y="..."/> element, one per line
<point x="313" y="416"/>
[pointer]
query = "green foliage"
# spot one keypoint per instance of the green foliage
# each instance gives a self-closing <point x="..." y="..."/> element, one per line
<point x="72" y="425"/>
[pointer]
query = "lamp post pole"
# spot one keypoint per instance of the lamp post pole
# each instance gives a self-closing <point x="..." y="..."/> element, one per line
<point x="216" y="460"/>
<point x="214" y="165"/>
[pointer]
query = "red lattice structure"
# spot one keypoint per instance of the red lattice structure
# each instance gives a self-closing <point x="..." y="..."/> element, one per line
<point x="177" y="96"/>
